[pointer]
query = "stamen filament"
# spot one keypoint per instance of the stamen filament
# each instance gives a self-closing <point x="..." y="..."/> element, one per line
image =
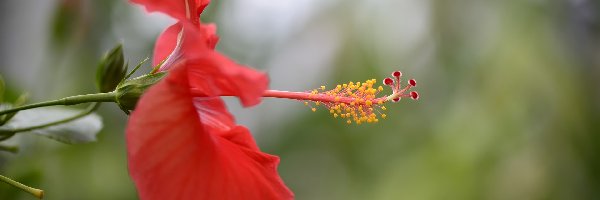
<point x="318" y="97"/>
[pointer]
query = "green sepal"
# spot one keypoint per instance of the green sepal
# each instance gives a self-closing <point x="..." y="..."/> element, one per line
<point x="130" y="91"/>
<point x="111" y="70"/>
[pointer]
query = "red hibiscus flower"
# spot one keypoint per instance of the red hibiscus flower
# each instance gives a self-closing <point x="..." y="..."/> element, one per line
<point x="182" y="142"/>
<point x="186" y="147"/>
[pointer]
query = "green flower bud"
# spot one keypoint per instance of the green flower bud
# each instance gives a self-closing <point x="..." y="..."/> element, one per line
<point x="111" y="70"/>
<point x="130" y="91"/>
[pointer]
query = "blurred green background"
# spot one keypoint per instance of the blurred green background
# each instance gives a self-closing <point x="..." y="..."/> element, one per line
<point x="509" y="108"/>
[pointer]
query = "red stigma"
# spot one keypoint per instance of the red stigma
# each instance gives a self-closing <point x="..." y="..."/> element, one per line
<point x="388" y="81"/>
<point x="397" y="74"/>
<point x="412" y="82"/>
<point x="414" y="95"/>
<point x="396" y="99"/>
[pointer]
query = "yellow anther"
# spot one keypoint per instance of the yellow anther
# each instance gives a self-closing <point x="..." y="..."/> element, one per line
<point x="370" y="120"/>
<point x="322" y="87"/>
<point x="345" y="85"/>
<point x="358" y="84"/>
<point x="383" y="108"/>
<point x="349" y="92"/>
<point x="335" y="115"/>
<point x="337" y="99"/>
<point x="376" y="120"/>
<point x="380" y="102"/>
<point x="348" y="121"/>
<point x="331" y="111"/>
<point x="352" y="103"/>
<point x="383" y="116"/>
<point x="368" y="103"/>
<point x="317" y="103"/>
<point x="306" y="103"/>
<point x="380" y="88"/>
<point x="314" y="109"/>
<point x="343" y="116"/>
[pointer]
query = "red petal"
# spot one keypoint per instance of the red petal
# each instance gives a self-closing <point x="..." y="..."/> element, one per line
<point x="165" y="43"/>
<point x="200" y="38"/>
<point x="210" y="32"/>
<point x="172" y="155"/>
<point x="216" y="75"/>
<point x="212" y="74"/>
<point x="174" y="8"/>
<point x="213" y="113"/>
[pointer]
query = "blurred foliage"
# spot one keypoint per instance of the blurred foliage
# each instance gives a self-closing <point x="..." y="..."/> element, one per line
<point x="509" y="104"/>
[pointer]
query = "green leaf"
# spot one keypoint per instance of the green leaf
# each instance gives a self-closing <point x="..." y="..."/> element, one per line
<point x="81" y="130"/>
<point x="2" y="86"/>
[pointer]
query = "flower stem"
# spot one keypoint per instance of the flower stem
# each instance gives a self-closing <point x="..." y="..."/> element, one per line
<point x="33" y="191"/>
<point x="72" y="100"/>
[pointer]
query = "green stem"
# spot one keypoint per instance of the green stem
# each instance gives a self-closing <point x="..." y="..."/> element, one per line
<point x="89" y="110"/>
<point x="98" y="97"/>
<point x="33" y="191"/>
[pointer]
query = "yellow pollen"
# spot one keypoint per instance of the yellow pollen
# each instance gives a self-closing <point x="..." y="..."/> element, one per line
<point x="352" y="101"/>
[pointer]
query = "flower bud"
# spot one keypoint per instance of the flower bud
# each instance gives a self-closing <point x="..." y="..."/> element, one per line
<point x="111" y="70"/>
<point x="130" y="91"/>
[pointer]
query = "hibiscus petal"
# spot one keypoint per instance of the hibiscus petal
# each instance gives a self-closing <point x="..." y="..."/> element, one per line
<point x="165" y="43"/>
<point x="172" y="155"/>
<point x="217" y="75"/>
<point x="213" y="113"/>
<point x="206" y="36"/>
<point x="212" y="74"/>
<point x="175" y="8"/>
